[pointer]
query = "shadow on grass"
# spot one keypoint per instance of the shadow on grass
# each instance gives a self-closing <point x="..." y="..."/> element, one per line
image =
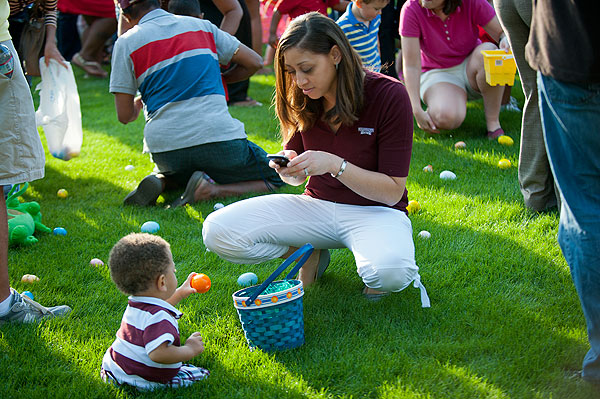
<point x="492" y="317"/>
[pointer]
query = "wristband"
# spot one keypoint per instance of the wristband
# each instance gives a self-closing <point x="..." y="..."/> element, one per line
<point x="342" y="169"/>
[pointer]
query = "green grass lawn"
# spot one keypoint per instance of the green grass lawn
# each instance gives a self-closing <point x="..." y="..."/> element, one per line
<point x="504" y="322"/>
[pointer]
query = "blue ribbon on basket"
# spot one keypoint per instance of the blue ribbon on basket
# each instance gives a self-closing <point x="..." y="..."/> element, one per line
<point x="305" y="251"/>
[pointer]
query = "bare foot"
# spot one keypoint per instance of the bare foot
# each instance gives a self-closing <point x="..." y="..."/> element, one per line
<point x="308" y="272"/>
<point x="205" y="190"/>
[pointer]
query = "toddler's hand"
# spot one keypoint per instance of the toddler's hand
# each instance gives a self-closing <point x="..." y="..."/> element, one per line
<point x="194" y="342"/>
<point x="186" y="289"/>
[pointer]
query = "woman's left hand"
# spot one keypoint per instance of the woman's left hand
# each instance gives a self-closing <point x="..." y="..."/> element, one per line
<point x="313" y="163"/>
<point x="51" y="52"/>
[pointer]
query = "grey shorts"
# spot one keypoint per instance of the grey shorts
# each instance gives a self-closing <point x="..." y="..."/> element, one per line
<point x="456" y="75"/>
<point x="21" y="152"/>
<point x="225" y="162"/>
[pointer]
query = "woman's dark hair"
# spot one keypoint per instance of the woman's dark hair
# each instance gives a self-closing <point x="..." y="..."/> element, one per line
<point x="318" y="34"/>
<point x="451" y="5"/>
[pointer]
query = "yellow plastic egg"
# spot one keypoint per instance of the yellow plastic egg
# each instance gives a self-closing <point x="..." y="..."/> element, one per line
<point x="62" y="193"/>
<point x="504" y="163"/>
<point x="413" y="206"/>
<point x="505" y="140"/>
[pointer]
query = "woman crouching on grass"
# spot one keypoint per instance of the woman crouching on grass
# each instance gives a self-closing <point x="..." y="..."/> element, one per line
<point x="349" y="131"/>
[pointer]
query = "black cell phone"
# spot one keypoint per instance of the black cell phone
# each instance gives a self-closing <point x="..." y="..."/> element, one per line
<point x="280" y="160"/>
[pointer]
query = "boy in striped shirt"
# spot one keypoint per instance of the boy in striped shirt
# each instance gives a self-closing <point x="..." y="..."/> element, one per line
<point x="361" y="23"/>
<point x="147" y="352"/>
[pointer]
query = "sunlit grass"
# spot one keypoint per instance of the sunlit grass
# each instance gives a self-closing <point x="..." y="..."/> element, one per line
<point x="505" y="320"/>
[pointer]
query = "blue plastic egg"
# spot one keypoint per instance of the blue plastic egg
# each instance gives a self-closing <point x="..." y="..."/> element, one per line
<point x="59" y="231"/>
<point x="150" y="227"/>
<point x="28" y="293"/>
<point x="247" y="279"/>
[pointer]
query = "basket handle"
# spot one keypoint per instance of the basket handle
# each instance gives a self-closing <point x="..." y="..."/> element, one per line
<point x="305" y="251"/>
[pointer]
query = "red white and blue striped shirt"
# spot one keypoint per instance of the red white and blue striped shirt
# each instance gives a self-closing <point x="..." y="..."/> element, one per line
<point x="174" y="63"/>
<point x="147" y="323"/>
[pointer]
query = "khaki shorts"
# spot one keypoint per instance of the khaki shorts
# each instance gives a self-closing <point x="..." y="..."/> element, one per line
<point x="21" y="152"/>
<point x="457" y="75"/>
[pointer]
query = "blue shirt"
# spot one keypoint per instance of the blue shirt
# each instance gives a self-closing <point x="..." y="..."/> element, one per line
<point x="362" y="37"/>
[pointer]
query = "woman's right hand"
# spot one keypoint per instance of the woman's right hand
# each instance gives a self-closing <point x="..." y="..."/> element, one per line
<point x="425" y="122"/>
<point x="283" y="171"/>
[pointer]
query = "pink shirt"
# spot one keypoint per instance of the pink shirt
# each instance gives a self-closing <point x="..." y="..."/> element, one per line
<point x="380" y="140"/>
<point x="296" y="8"/>
<point x="445" y="44"/>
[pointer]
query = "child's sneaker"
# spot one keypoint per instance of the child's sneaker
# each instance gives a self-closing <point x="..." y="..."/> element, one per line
<point x="26" y="310"/>
<point x="512" y="106"/>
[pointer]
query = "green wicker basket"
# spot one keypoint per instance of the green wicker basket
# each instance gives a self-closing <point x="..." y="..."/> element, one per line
<point x="271" y="313"/>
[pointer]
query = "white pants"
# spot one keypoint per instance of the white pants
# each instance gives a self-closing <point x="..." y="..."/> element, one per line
<point x="263" y="228"/>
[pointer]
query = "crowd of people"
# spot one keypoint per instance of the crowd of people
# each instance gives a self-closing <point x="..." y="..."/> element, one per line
<point x="347" y="133"/>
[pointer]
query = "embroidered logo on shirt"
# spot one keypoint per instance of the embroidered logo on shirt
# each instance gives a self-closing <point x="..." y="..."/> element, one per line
<point x="366" y="130"/>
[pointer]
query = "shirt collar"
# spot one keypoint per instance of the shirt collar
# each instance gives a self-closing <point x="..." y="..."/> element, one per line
<point x="150" y="300"/>
<point x="430" y="13"/>
<point x="351" y="17"/>
<point x="157" y="13"/>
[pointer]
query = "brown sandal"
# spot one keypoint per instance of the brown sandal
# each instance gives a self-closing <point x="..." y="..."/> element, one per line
<point x="90" y="67"/>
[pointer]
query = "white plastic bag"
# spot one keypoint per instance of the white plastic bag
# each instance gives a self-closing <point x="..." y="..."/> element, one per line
<point x="59" y="112"/>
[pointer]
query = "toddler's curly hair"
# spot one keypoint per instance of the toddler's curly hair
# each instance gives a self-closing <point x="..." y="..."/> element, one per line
<point x="136" y="260"/>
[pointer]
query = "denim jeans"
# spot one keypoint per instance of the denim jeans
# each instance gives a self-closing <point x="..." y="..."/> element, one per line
<point x="571" y="121"/>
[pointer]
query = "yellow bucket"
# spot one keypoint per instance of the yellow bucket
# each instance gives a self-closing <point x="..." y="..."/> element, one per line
<point x="500" y="67"/>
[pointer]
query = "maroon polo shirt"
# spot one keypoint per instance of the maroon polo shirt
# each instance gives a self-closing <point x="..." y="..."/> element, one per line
<point x="380" y="140"/>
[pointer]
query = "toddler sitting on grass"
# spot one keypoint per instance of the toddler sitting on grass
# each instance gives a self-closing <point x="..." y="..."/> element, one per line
<point x="147" y="353"/>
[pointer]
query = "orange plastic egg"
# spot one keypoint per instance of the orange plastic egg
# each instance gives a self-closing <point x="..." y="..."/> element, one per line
<point x="201" y="283"/>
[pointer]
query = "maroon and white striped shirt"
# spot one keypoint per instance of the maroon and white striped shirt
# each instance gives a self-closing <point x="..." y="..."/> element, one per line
<point x="146" y="324"/>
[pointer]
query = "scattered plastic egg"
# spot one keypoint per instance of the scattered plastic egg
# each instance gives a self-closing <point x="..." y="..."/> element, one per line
<point x="460" y="144"/>
<point x="29" y="294"/>
<point x="29" y="278"/>
<point x="150" y="227"/>
<point x="504" y="163"/>
<point x="96" y="262"/>
<point x="447" y="175"/>
<point x="129" y="167"/>
<point x="413" y="206"/>
<point x="59" y="231"/>
<point x="218" y="206"/>
<point x="62" y="193"/>
<point x="428" y="169"/>
<point x="505" y="140"/>
<point x="247" y="279"/>
<point x="424" y="234"/>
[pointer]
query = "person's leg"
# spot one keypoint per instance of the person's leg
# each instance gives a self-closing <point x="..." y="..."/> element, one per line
<point x="237" y="167"/>
<point x="23" y="159"/>
<point x="446" y="104"/>
<point x="570" y="118"/>
<point x="90" y="56"/>
<point x="254" y="11"/>
<point x="535" y="177"/>
<point x="381" y="240"/>
<point x="492" y="95"/>
<point x="98" y="32"/>
<point x="4" y="281"/>
<point x="262" y="228"/>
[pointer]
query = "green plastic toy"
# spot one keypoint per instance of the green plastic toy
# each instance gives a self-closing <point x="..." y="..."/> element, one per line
<point x="24" y="218"/>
